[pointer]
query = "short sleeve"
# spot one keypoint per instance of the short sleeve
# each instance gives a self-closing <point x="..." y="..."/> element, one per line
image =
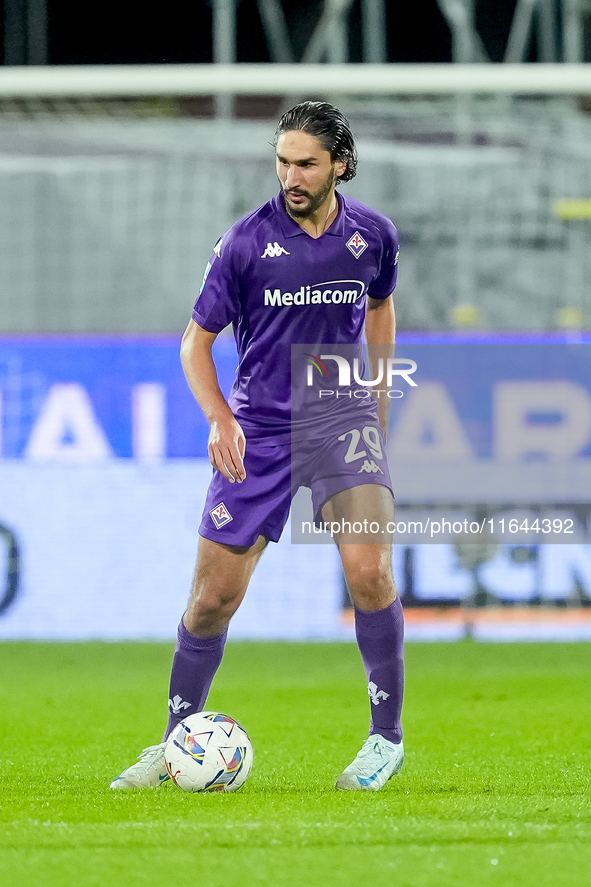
<point x="218" y="302"/>
<point x="385" y="281"/>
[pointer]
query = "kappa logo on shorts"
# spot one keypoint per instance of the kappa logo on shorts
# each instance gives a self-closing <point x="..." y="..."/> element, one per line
<point x="370" y="467"/>
<point x="220" y="515"/>
<point x="356" y="244"/>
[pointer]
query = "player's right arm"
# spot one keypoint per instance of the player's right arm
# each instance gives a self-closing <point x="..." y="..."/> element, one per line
<point x="227" y="442"/>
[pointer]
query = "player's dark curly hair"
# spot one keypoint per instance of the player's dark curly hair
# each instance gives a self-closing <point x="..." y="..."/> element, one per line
<point x="329" y="126"/>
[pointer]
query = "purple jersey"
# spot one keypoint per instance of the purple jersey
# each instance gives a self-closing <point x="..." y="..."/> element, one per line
<point x="279" y="286"/>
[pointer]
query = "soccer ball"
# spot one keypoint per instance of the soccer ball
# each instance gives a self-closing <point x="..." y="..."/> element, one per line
<point x="208" y="752"/>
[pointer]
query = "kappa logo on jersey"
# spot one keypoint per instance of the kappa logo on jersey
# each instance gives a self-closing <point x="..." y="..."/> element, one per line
<point x="376" y="694"/>
<point x="273" y="251"/>
<point x="220" y="515"/>
<point x="331" y="292"/>
<point x="356" y="244"/>
<point x="370" y="467"/>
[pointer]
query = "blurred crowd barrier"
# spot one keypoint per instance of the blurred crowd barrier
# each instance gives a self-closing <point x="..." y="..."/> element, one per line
<point x="107" y="222"/>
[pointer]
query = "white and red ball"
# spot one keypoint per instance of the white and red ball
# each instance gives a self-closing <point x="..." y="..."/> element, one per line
<point x="209" y="752"/>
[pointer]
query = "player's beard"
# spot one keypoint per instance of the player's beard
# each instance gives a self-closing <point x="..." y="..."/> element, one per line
<point x="315" y="200"/>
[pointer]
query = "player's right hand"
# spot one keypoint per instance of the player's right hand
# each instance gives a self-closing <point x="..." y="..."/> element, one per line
<point x="226" y="447"/>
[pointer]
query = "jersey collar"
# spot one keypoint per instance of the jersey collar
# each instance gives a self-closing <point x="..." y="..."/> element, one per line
<point x="289" y="228"/>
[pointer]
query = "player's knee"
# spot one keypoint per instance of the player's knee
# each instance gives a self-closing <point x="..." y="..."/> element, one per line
<point x="213" y="607"/>
<point x="368" y="579"/>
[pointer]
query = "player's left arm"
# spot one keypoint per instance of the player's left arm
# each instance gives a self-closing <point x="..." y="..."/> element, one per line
<point x="380" y="335"/>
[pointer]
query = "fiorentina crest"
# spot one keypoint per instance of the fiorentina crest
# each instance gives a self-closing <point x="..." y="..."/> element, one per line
<point x="375" y="694"/>
<point x="220" y="515"/>
<point x="356" y="244"/>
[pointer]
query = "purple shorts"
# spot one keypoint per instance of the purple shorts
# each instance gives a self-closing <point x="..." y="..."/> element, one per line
<point x="237" y="514"/>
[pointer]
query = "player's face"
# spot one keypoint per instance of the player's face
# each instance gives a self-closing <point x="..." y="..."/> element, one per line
<point x="306" y="172"/>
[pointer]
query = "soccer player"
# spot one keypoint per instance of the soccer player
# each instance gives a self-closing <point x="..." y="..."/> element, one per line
<point x="311" y="266"/>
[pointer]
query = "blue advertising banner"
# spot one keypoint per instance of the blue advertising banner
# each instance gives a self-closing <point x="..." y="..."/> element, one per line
<point x="495" y="400"/>
<point x="87" y="399"/>
<point x="104" y="468"/>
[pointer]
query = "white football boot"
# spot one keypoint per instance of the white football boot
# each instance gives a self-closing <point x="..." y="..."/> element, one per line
<point x="149" y="772"/>
<point x="378" y="760"/>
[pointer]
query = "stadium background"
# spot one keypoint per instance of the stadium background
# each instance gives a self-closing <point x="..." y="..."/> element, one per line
<point x="109" y="207"/>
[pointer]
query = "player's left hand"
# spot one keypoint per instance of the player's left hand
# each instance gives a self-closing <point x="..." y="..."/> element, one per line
<point x="226" y="447"/>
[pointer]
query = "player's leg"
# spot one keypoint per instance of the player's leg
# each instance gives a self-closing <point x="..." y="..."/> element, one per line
<point x="219" y="584"/>
<point x="379" y="629"/>
<point x="379" y="626"/>
<point x="237" y="520"/>
<point x="221" y="577"/>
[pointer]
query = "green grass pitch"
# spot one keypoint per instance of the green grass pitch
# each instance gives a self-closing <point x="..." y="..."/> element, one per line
<point x="495" y="789"/>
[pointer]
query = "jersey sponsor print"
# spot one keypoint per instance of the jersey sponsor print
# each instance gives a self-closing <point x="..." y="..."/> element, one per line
<point x="330" y="292"/>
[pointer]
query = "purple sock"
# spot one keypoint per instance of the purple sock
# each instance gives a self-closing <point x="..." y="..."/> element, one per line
<point x="195" y="663"/>
<point x="380" y="636"/>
